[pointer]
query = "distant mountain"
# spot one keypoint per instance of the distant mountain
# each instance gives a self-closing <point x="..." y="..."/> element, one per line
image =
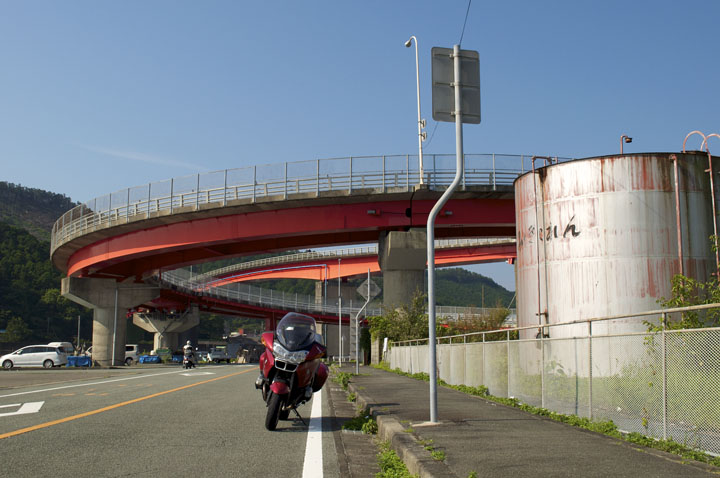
<point x="32" y="209"/>
<point x="461" y="287"/>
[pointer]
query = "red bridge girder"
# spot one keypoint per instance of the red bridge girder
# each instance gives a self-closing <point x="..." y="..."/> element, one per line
<point x="328" y="268"/>
<point x="155" y="244"/>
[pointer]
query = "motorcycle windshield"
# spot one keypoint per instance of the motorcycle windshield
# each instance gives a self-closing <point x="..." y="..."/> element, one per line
<point x="296" y="331"/>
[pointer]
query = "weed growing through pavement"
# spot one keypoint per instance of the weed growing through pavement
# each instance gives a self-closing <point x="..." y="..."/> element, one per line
<point x="391" y="466"/>
<point x="342" y="378"/>
<point x="363" y="421"/>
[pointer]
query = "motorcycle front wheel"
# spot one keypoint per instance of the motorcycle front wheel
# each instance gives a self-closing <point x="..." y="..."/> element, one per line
<point x="273" y="411"/>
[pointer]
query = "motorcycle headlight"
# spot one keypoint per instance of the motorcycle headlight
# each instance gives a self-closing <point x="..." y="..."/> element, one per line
<point x="282" y="353"/>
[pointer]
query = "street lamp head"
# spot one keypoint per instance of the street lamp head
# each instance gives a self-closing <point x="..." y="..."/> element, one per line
<point x="408" y="43"/>
<point x="628" y="139"/>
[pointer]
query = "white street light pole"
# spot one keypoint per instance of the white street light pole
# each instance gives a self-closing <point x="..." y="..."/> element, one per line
<point x="421" y="122"/>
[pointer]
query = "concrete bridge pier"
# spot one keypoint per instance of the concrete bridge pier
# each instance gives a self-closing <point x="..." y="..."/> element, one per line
<point x="109" y="301"/>
<point x="167" y="327"/>
<point x="402" y="257"/>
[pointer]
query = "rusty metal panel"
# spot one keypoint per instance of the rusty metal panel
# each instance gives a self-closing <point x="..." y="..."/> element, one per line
<point x="598" y="237"/>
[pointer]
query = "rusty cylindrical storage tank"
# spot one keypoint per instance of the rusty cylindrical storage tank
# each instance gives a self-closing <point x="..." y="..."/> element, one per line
<point x="599" y="237"/>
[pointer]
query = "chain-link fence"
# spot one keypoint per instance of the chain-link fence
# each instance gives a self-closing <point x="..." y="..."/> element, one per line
<point x="663" y="384"/>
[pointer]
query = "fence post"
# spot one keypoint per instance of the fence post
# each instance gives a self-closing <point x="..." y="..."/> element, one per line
<point x="590" y="397"/>
<point x="254" y="182"/>
<point x="664" y="375"/>
<point x="507" y="352"/>
<point x="127" y="210"/>
<point x="172" y="185"/>
<point x="383" y="175"/>
<point x="351" y="176"/>
<point x="494" y="174"/>
<point x="225" y="190"/>
<point x="483" y="355"/>
<point x="407" y="172"/>
<point x="317" y="178"/>
<point x="286" y="180"/>
<point x="197" y="193"/>
<point x="542" y="369"/>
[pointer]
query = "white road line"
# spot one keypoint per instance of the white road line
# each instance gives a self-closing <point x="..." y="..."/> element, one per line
<point x="313" y="467"/>
<point x="30" y="407"/>
<point x="90" y="384"/>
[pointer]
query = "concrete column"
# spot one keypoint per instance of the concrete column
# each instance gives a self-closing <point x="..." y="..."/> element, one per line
<point x="109" y="300"/>
<point x="403" y="258"/>
<point x="167" y="327"/>
<point x="375" y="351"/>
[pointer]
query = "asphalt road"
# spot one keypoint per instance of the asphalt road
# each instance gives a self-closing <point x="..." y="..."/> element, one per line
<point x="160" y="421"/>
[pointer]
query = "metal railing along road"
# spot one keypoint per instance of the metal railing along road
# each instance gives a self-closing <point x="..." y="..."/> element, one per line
<point x="662" y="383"/>
<point x="379" y="174"/>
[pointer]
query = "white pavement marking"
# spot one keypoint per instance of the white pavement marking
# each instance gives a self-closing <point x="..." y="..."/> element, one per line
<point x="313" y="467"/>
<point x="29" y="407"/>
<point x="93" y="383"/>
<point x="195" y="374"/>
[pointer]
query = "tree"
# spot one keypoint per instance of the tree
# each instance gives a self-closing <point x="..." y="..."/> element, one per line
<point x="403" y="323"/>
<point x="686" y="292"/>
<point x="17" y="330"/>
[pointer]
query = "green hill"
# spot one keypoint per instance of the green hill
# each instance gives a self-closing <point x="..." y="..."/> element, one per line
<point x="32" y="209"/>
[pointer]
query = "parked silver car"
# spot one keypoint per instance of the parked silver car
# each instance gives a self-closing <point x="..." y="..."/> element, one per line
<point x="35" y="356"/>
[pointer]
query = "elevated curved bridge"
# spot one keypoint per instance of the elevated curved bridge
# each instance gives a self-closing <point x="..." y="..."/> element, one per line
<point x="328" y="265"/>
<point x="110" y="248"/>
<point x="137" y="232"/>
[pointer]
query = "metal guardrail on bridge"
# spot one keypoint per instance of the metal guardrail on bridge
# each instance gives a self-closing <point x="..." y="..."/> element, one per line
<point x="218" y="188"/>
<point x="208" y="277"/>
<point x="183" y="280"/>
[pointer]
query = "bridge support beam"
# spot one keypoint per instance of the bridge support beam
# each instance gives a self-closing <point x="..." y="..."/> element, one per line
<point x="109" y="301"/>
<point x="167" y="327"/>
<point x="402" y="257"/>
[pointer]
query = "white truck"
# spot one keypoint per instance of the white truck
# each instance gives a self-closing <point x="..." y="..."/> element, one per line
<point x="132" y="353"/>
<point x="218" y="354"/>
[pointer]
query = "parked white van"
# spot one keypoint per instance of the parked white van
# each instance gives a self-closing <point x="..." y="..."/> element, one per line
<point x="35" y="356"/>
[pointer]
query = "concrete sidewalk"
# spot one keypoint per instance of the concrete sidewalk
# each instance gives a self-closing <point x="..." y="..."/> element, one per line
<point x="498" y="441"/>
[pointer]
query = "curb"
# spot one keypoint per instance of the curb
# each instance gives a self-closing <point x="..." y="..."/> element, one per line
<point x="416" y="458"/>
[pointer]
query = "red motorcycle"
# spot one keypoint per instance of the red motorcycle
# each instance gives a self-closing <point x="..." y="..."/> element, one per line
<point x="290" y="367"/>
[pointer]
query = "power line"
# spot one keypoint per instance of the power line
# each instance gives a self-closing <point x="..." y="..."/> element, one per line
<point x="465" y="22"/>
<point x="433" y="134"/>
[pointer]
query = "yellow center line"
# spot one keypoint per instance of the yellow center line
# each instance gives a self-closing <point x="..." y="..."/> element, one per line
<point x="112" y="407"/>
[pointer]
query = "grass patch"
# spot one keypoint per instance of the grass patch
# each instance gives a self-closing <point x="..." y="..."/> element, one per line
<point x="438" y="455"/>
<point x="605" y="427"/>
<point x="342" y="379"/>
<point x="391" y="466"/>
<point x="363" y="422"/>
<point x="351" y="397"/>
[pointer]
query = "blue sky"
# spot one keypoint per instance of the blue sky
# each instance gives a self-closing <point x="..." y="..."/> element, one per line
<point x="98" y="96"/>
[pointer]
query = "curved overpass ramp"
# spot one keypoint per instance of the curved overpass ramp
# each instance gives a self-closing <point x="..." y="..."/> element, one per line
<point x="136" y="232"/>
<point x="111" y="246"/>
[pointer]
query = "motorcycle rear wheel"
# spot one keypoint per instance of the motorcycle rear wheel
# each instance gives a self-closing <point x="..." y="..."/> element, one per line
<point x="273" y="411"/>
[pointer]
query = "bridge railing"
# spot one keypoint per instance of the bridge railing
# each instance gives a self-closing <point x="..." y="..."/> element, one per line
<point x="185" y="281"/>
<point x="659" y="382"/>
<point x="269" y="262"/>
<point x="282" y="181"/>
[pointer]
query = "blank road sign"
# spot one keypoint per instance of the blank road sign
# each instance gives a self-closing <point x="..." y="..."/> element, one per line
<point x="443" y="90"/>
